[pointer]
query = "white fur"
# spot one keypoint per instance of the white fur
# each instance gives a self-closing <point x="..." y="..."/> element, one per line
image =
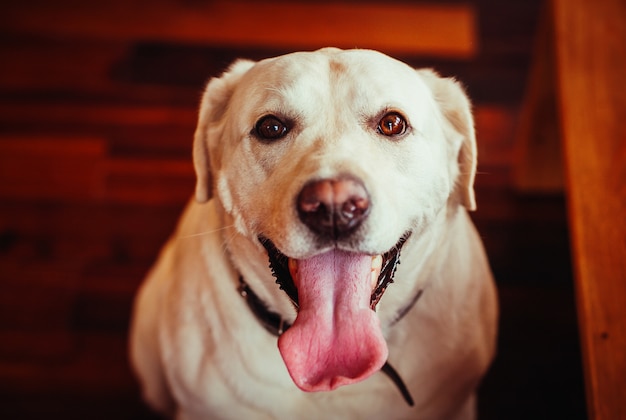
<point x="196" y="347"/>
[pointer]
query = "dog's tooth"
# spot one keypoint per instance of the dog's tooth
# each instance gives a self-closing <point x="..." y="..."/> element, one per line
<point x="374" y="279"/>
<point x="293" y="267"/>
<point x="377" y="264"/>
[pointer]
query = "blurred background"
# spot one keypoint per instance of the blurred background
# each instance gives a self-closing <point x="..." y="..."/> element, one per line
<point x="98" y="103"/>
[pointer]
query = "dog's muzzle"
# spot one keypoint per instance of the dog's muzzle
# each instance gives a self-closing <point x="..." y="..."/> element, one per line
<point x="334" y="208"/>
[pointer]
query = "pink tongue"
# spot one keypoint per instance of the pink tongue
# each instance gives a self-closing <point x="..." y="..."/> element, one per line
<point x="336" y="338"/>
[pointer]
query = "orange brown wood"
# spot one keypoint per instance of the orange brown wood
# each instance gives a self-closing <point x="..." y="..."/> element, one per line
<point x="591" y="66"/>
<point x="439" y="30"/>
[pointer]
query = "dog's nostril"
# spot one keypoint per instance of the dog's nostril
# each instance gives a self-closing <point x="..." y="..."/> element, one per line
<point x="354" y="207"/>
<point x="311" y="206"/>
<point x="333" y="207"/>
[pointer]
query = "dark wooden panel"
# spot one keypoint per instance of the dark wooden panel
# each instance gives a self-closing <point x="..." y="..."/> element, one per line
<point x="111" y="116"/>
<point x="50" y="168"/>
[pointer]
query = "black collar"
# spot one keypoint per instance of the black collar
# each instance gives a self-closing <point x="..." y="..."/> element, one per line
<point x="275" y="324"/>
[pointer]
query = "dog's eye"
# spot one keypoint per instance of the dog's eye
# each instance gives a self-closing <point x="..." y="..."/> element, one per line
<point x="392" y="124"/>
<point x="270" y="128"/>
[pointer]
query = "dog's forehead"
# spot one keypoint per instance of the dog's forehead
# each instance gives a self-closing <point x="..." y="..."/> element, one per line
<point x="368" y="78"/>
<point x="334" y="63"/>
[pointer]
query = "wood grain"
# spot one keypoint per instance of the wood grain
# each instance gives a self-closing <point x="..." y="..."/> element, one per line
<point x="591" y="63"/>
<point x="439" y="30"/>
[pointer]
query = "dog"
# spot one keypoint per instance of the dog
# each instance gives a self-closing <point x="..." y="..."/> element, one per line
<point x="327" y="267"/>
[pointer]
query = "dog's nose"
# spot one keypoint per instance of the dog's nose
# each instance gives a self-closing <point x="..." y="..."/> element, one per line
<point x="333" y="207"/>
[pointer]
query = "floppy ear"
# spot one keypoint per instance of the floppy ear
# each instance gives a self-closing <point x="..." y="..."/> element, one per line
<point x="212" y="107"/>
<point x="456" y="109"/>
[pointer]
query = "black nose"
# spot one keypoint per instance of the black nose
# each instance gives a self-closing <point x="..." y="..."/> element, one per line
<point x="333" y="207"/>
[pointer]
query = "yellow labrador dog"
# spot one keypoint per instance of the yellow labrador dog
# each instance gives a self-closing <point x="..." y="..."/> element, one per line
<point x="281" y="296"/>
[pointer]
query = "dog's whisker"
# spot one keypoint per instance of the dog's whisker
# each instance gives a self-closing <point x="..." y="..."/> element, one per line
<point x="226" y="242"/>
<point x="208" y="232"/>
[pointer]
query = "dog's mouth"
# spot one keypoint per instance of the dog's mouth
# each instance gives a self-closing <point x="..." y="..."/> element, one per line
<point x="336" y="338"/>
<point x="384" y="264"/>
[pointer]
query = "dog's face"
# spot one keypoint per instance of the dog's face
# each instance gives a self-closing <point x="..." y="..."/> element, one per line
<point x="332" y="159"/>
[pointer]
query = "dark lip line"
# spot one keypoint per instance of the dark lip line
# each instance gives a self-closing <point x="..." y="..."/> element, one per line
<point x="391" y="259"/>
<point x="279" y="266"/>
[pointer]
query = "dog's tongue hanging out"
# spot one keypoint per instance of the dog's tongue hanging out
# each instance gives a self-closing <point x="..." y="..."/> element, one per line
<point x="336" y="338"/>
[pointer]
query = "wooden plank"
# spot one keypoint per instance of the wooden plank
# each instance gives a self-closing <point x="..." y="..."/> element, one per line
<point x="56" y="171"/>
<point x="137" y="231"/>
<point x="495" y="134"/>
<point x="99" y="365"/>
<point x="148" y="181"/>
<point x="38" y="294"/>
<point x="538" y="165"/>
<point x="51" y="147"/>
<point x="96" y="114"/>
<point x="31" y="64"/>
<point x="399" y="27"/>
<point x="591" y="59"/>
<point x="39" y="168"/>
<point x="126" y="130"/>
<point x="25" y="345"/>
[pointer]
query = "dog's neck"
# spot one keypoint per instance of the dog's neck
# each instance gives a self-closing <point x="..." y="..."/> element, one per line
<point x="275" y="324"/>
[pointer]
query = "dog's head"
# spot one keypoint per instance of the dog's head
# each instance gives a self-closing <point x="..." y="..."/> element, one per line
<point x="331" y="159"/>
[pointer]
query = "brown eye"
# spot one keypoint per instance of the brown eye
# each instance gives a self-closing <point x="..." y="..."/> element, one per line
<point x="392" y="124"/>
<point x="270" y="128"/>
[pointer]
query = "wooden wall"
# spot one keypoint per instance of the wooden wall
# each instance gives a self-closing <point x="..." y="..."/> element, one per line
<point x="97" y="109"/>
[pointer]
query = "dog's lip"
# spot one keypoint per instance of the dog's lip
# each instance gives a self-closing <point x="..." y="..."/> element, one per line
<point x="383" y="269"/>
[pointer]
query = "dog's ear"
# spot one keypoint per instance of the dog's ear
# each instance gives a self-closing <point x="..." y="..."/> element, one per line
<point x="212" y="107"/>
<point x="456" y="109"/>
